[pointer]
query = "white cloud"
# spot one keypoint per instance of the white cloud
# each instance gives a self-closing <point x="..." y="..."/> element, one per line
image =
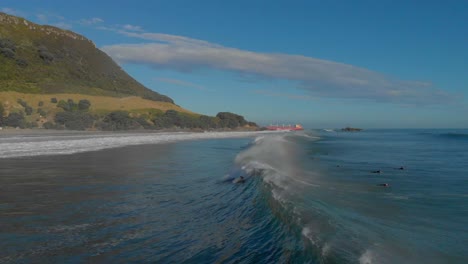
<point x="91" y="21"/>
<point x="320" y="78"/>
<point x="11" y="11"/>
<point x="63" y="25"/>
<point x="285" y="95"/>
<point x="42" y="18"/>
<point x="180" y="83"/>
<point x="132" y="28"/>
<point x="105" y="28"/>
<point x="52" y="19"/>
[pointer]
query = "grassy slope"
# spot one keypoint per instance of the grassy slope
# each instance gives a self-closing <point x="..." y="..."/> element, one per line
<point x="99" y="104"/>
<point x="77" y="65"/>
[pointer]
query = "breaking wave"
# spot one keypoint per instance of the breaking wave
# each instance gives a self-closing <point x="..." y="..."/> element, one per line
<point x="293" y="194"/>
<point x="21" y="146"/>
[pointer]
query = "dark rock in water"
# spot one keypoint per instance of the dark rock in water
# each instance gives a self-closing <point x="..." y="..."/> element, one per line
<point x="401" y="168"/>
<point x="377" y="171"/>
<point x="351" y="129"/>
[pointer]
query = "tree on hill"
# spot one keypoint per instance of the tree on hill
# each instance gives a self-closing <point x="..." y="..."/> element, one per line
<point x="84" y="104"/>
<point x="207" y="122"/>
<point x="15" y="120"/>
<point x="1" y="114"/>
<point x="64" y="105"/>
<point x="75" y="120"/>
<point x="118" y="120"/>
<point x="69" y="105"/>
<point x="28" y="109"/>
<point x="231" y="120"/>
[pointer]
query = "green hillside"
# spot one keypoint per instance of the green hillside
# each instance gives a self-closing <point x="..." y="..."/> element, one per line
<point x="56" y="79"/>
<point x="46" y="59"/>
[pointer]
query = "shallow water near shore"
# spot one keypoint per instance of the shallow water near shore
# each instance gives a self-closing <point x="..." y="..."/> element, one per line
<point x="308" y="198"/>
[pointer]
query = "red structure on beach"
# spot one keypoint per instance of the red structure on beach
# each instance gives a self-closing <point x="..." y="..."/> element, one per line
<point x="285" y="128"/>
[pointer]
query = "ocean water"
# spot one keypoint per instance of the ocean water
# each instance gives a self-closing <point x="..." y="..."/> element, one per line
<point x="308" y="197"/>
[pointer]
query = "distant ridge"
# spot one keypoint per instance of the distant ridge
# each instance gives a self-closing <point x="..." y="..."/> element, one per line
<point x="45" y="59"/>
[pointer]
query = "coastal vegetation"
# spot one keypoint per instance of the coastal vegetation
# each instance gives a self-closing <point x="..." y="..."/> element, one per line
<point x="57" y="79"/>
<point x="81" y="112"/>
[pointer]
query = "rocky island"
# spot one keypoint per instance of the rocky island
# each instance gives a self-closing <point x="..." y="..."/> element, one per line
<point x="351" y="129"/>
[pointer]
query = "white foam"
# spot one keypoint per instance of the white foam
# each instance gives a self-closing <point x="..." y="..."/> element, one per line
<point x="275" y="157"/>
<point x="326" y="249"/>
<point x="307" y="233"/>
<point x="366" y="257"/>
<point x="69" y="144"/>
<point x="258" y="139"/>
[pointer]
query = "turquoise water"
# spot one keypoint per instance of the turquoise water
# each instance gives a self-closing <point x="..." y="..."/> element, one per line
<point x="308" y="198"/>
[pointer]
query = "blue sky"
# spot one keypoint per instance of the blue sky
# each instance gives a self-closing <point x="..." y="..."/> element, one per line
<point x="325" y="64"/>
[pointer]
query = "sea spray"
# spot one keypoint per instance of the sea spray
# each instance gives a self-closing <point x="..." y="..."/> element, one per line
<point x="276" y="160"/>
<point x="295" y="195"/>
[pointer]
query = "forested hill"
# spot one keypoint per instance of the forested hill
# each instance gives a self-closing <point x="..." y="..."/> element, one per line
<point x="46" y="59"/>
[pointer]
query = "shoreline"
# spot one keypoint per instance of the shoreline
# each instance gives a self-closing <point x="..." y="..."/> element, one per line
<point x="42" y="131"/>
<point x="31" y="143"/>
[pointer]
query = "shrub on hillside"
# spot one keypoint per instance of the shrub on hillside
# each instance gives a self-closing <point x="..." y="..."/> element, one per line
<point x="207" y="122"/>
<point x="7" y="48"/>
<point x="8" y="53"/>
<point x="15" y="120"/>
<point x="75" y="120"/>
<point x="40" y="104"/>
<point x="167" y="120"/>
<point x="45" y="55"/>
<point x="161" y="122"/>
<point x="49" y="125"/>
<point x="41" y="112"/>
<point x="53" y="100"/>
<point x="62" y="104"/>
<point x="22" y="62"/>
<point x="72" y="105"/>
<point x="173" y="118"/>
<point x="22" y="103"/>
<point x="28" y="109"/>
<point x="1" y="114"/>
<point x="7" y="43"/>
<point x="143" y="122"/>
<point x="84" y="104"/>
<point x="68" y="106"/>
<point x="252" y="124"/>
<point x="231" y="120"/>
<point x="118" y="120"/>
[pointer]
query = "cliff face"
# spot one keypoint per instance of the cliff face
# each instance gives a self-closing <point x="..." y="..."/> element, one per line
<point x="46" y="59"/>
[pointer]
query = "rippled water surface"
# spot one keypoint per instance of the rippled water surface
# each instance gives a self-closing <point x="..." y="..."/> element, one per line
<point x="167" y="202"/>
<point x="307" y="197"/>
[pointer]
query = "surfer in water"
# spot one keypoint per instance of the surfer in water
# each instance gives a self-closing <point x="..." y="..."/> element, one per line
<point x="239" y="180"/>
